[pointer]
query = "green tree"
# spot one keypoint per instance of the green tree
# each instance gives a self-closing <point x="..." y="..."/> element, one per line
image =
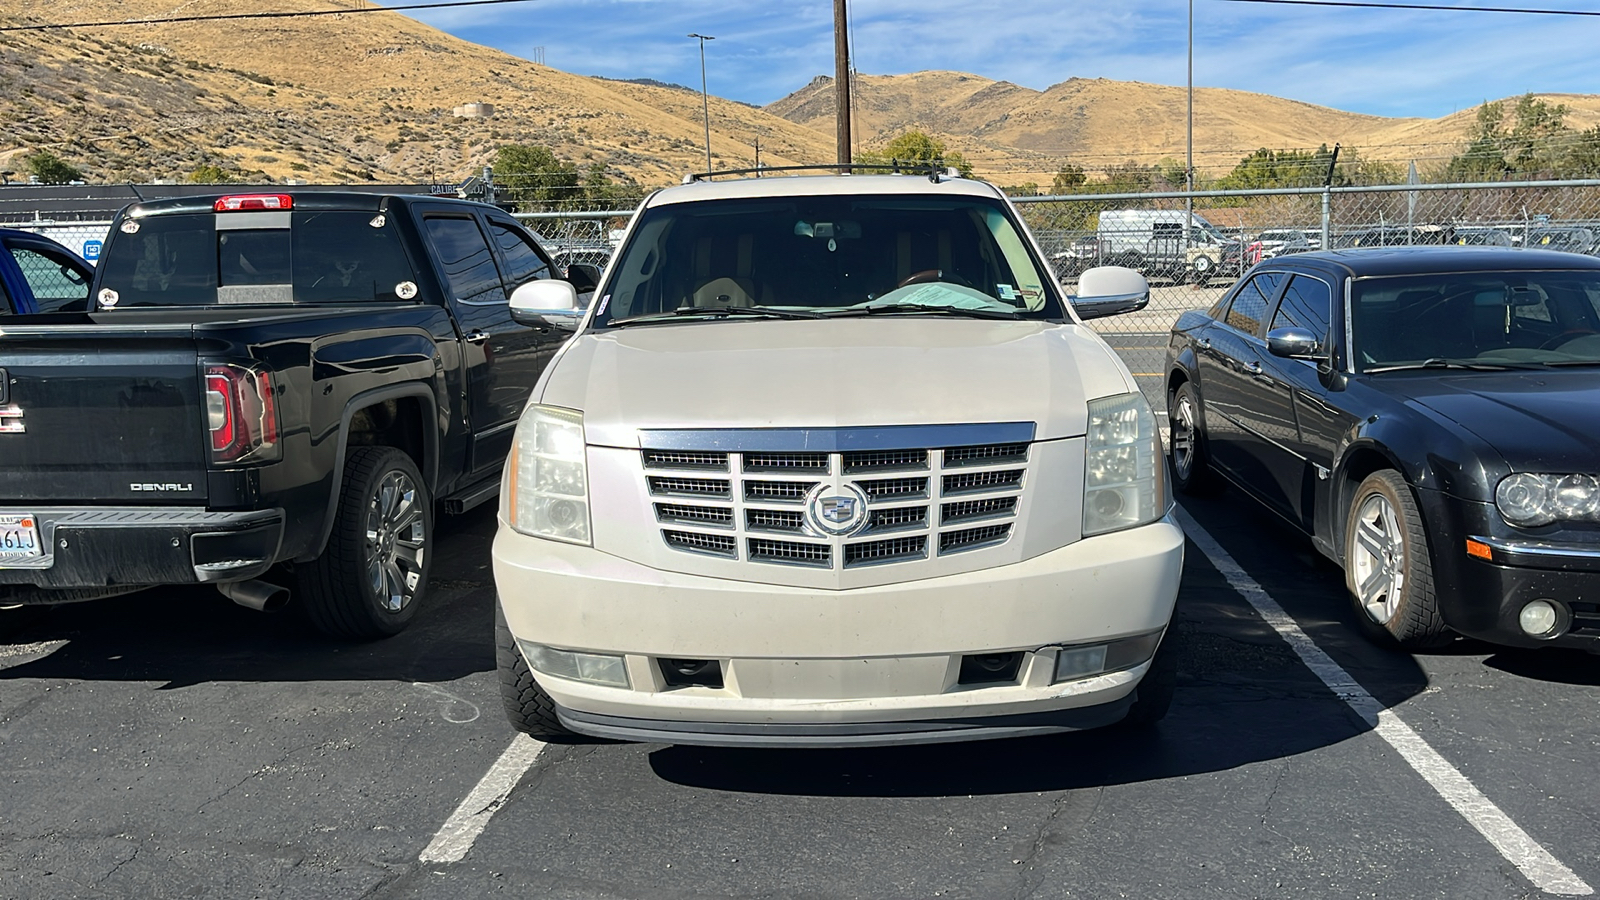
<point x="534" y="178"/>
<point x="210" y="173"/>
<point x="602" y="192"/>
<point x="1129" y="178"/>
<point x="1533" y="141"/>
<point x="917" y="148"/>
<point x="52" y="169"/>
<point x="1069" y="178"/>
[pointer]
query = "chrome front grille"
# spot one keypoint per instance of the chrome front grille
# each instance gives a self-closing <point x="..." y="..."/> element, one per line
<point x="920" y="502"/>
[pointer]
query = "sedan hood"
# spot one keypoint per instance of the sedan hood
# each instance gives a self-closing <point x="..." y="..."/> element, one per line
<point x="832" y="373"/>
<point x="1536" y="421"/>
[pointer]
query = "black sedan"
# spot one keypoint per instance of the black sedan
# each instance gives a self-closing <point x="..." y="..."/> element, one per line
<point x="1429" y="416"/>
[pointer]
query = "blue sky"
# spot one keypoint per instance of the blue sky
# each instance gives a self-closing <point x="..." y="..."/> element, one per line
<point x="1383" y="62"/>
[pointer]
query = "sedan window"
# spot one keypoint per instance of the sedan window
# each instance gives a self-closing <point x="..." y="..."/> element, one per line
<point x="1250" y="303"/>
<point x="1307" y="303"/>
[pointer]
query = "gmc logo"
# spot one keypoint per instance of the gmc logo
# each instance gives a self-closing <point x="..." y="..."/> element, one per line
<point x="161" y="487"/>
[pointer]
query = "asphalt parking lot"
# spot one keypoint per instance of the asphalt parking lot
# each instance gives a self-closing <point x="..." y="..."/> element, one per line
<point x="172" y="744"/>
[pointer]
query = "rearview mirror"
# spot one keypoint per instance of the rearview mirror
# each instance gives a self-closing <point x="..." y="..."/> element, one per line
<point x="1109" y="290"/>
<point x="546" y="302"/>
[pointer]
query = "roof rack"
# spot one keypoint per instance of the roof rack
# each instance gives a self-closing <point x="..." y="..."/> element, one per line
<point x="936" y="170"/>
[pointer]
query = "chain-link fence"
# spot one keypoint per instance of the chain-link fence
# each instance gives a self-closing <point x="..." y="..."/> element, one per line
<point x="1193" y="246"/>
<point x="83" y="238"/>
<point x="578" y="237"/>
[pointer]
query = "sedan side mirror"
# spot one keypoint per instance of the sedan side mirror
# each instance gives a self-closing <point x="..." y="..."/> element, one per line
<point x="546" y="301"/>
<point x="1292" y="343"/>
<point x="583" y="277"/>
<point x="1109" y="290"/>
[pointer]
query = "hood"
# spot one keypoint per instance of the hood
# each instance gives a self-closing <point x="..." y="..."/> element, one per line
<point x="832" y="373"/>
<point x="1536" y="421"/>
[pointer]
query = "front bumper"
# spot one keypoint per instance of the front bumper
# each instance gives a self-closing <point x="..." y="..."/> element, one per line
<point x="1483" y="598"/>
<point x="94" y="547"/>
<point x="867" y="665"/>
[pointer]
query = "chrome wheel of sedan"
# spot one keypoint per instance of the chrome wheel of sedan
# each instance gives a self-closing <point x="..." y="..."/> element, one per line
<point x="1378" y="566"/>
<point x="1191" y="467"/>
<point x="396" y="541"/>
<point x="1388" y="569"/>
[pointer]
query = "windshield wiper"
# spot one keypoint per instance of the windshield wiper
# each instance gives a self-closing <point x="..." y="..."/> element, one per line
<point x="717" y="312"/>
<point x="1571" y="362"/>
<point x="966" y="312"/>
<point x="1442" y="363"/>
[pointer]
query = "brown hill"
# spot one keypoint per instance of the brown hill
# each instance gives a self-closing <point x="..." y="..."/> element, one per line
<point x="1012" y="133"/>
<point x="336" y="98"/>
<point x="365" y="96"/>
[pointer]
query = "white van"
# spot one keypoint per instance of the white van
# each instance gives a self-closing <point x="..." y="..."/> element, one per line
<point x="832" y="461"/>
<point x="1152" y="241"/>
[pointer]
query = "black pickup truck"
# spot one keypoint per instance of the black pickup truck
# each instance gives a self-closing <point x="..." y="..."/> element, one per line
<point x="270" y="393"/>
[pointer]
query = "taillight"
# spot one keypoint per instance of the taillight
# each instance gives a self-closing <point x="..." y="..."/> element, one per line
<point x="242" y="202"/>
<point x="241" y="414"/>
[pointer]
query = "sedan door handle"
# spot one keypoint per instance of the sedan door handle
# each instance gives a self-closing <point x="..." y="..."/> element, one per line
<point x="1204" y="343"/>
<point x="1253" y="367"/>
<point x="477" y="336"/>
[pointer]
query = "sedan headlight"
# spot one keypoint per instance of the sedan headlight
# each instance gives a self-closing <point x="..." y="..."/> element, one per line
<point x="1529" y="500"/>
<point x="1124" y="479"/>
<point x="548" y="488"/>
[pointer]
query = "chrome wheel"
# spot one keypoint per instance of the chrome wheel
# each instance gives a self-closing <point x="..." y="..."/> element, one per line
<point x="396" y="541"/>
<point x="1183" y="435"/>
<point x="1378" y="558"/>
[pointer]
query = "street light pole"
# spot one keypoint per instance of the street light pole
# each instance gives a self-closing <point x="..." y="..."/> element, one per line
<point x="1188" y="173"/>
<point x="705" y="102"/>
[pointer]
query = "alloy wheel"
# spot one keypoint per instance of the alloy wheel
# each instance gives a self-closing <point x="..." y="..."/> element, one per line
<point x="396" y="541"/>
<point x="1378" y="558"/>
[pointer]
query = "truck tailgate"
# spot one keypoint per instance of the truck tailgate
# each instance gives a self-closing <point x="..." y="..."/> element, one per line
<point x="92" y="416"/>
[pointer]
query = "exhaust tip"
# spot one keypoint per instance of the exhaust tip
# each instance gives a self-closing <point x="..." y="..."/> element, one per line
<point x="257" y="595"/>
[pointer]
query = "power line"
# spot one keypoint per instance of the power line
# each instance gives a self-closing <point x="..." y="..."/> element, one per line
<point x="1426" y="6"/>
<point x="260" y="15"/>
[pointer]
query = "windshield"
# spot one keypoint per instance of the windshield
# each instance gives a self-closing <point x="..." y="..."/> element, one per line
<point x="1487" y="318"/>
<point x="827" y="254"/>
<point x="203" y="259"/>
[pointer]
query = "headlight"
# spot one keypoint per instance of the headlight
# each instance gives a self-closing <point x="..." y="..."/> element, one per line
<point x="1124" y="478"/>
<point x="548" y="488"/>
<point x="1528" y="500"/>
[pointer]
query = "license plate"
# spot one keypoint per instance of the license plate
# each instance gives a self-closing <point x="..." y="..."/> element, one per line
<point x="19" y="538"/>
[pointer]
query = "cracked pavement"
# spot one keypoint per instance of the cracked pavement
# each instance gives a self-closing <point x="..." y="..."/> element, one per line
<point x="172" y="744"/>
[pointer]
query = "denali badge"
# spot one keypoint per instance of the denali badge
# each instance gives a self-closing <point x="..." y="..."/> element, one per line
<point x="160" y="487"/>
<point x="836" y="510"/>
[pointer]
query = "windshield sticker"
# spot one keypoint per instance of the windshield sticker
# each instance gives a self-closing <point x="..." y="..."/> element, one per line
<point x="604" y="302"/>
<point x="108" y="298"/>
<point x="130" y="226"/>
<point x="405" y="290"/>
<point x="1007" y="292"/>
<point x="377" y="221"/>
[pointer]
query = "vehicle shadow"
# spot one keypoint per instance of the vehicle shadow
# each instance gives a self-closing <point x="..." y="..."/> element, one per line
<point x="181" y="636"/>
<point x="1243" y="697"/>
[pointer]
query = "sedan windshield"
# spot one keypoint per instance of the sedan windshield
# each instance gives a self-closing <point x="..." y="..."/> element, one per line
<point x="826" y="254"/>
<point x="1476" y="320"/>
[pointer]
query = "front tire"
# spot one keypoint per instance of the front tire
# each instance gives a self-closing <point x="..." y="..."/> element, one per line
<point x="373" y="574"/>
<point x="1191" y="461"/>
<point x="1388" y="569"/>
<point x="529" y="709"/>
<point x="1203" y="268"/>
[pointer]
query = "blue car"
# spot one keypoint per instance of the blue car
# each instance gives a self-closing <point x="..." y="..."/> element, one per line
<point x="39" y="275"/>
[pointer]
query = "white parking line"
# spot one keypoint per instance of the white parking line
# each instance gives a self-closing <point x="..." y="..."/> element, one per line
<point x="459" y="832"/>
<point x="1545" y="871"/>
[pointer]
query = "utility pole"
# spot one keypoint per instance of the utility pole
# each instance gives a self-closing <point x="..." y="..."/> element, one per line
<point x="758" y="156"/>
<point x="1188" y="172"/>
<point x="705" y="102"/>
<point x="841" y="81"/>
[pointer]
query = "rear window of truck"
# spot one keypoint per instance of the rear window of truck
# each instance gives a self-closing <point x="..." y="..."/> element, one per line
<point x="247" y="258"/>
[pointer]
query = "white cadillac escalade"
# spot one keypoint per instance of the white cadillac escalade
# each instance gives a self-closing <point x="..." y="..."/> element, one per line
<point x="831" y="461"/>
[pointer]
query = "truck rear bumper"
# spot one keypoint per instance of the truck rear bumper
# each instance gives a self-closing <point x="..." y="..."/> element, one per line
<point x="107" y="546"/>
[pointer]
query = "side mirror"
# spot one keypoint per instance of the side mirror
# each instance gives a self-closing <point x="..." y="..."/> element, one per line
<point x="1109" y="290"/>
<point x="583" y="277"/>
<point x="1292" y="343"/>
<point x="546" y="301"/>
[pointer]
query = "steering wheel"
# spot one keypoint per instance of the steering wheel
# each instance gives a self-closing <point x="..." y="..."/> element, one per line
<point x="1565" y="336"/>
<point x="929" y="276"/>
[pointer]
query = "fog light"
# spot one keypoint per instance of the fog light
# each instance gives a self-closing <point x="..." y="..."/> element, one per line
<point x="1086" y="660"/>
<point x="1539" y="619"/>
<point x="595" y="668"/>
